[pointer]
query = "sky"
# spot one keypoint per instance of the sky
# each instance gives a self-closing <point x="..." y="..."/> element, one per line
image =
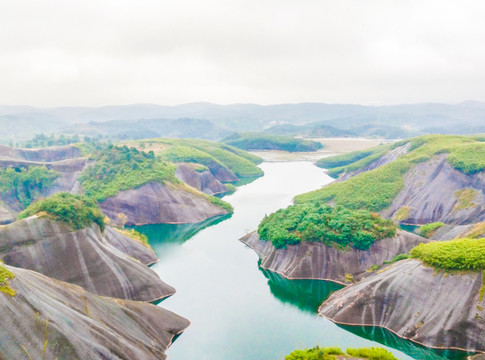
<point x="106" y="52"/>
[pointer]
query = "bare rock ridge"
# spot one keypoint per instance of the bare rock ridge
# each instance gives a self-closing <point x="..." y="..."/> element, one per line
<point x="412" y="300"/>
<point x="101" y="263"/>
<point x="155" y="203"/>
<point x="432" y="191"/>
<point x="203" y="181"/>
<point x="314" y="260"/>
<point x="383" y="160"/>
<point x="43" y="155"/>
<point x="77" y="325"/>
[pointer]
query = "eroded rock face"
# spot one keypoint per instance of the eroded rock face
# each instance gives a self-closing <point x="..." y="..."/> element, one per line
<point x="203" y="181"/>
<point x="430" y="192"/>
<point x="314" y="260"/>
<point x="100" y="263"/>
<point x="156" y="203"/>
<point x="78" y="324"/>
<point x="417" y="303"/>
<point x="6" y="215"/>
<point x="50" y="154"/>
<point x="383" y="160"/>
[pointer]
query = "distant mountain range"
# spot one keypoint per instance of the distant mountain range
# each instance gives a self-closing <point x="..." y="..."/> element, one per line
<point x="211" y="121"/>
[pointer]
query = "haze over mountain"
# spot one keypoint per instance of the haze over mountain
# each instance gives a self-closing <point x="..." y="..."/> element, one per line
<point x="212" y="121"/>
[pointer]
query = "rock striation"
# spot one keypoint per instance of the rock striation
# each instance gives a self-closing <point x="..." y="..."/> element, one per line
<point x="432" y="193"/>
<point x="71" y="323"/>
<point x="108" y="264"/>
<point x="203" y="181"/>
<point x="417" y="303"/>
<point x="314" y="260"/>
<point x="155" y="203"/>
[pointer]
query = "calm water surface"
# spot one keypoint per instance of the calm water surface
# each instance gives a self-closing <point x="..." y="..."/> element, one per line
<point x="238" y="311"/>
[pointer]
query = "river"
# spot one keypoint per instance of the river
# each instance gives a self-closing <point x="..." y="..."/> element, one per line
<point x="236" y="310"/>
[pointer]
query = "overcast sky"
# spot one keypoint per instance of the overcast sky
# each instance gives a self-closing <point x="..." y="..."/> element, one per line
<point x="95" y="52"/>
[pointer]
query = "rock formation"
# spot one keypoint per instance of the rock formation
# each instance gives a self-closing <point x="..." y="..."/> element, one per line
<point x="102" y="263"/>
<point x="315" y="260"/>
<point x="436" y="309"/>
<point x="71" y="323"/>
<point x="155" y="203"/>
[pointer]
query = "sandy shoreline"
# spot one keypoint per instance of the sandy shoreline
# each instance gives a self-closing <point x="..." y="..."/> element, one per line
<point x="333" y="146"/>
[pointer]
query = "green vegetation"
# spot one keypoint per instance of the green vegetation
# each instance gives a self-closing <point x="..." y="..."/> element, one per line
<point x="5" y="276"/>
<point x="376" y="189"/>
<point x="464" y="199"/>
<point x="323" y="223"/>
<point x="257" y="141"/>
<point x="373" y="190"/>
<point x="135" y="235"/>
<point x="352" y="161"/>
<point x="333" y="353"/>
<point x="459" y="254"/>
<point x="402" y="214"/>
<point x="429" y="229"/>
<point x="468" y="158"/>
<point x="42" y="140"/>
<point x="211" y="154"/>
<point x="76" y="211"/>
<point x="123" y="168"/>
<point x="477" y="231"/>
<point x="221" y="203"/>
<point x="26" y="183"/>
<point x="397" y="258"/>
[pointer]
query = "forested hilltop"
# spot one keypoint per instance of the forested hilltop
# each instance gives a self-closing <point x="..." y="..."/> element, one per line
<point x="259" y="141"/>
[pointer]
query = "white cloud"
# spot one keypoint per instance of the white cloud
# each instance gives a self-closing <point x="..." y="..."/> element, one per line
<point x="56" y="52"/>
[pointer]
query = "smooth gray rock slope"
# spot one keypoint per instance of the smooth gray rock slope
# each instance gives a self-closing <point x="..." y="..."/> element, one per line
<point x="77" y="325"/>
<point x="156" y="203"/>
<point x="415" y="302"/>
<point x="102" y="263"/>
<point x="203" y="181"/>
<point x="314" y="260"/>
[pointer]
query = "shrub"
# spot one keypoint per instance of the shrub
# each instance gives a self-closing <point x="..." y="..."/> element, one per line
<point x="323" y="223"/>
<point x="5" y="276"/>
<point x="458" y="254"/>
<point x="255" y="141"/>
<point x="397" y="258"/>
<point x="331" y="353"/>
<point x="429" y="229"/>
<point x="26" y="183"/>
<point x="76" y="211"/>
<point x="123" y="168"/>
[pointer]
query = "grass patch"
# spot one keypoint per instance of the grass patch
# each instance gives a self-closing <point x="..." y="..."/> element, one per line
<point x="122" y="168"/>
<point x="459" y="254"/>
<point x="397" y="258"/>
<point x="333" y="353"/>
<point x="256" y="141"/>
<point x="211" y="154"/>
<point x="323" y="223"/>
<point x="352" y="161"/>
<point x="5" y="276"/>
<point x="135" y="235"/>
<point x="26" y="183"/>
<point x="464" y="199"/>
<point x="76" y="211"/>
<point x="477" y="231"/>
<point x="402" y="214"/>
<point x="428" y="230"/>
<point x="376" y="189"/>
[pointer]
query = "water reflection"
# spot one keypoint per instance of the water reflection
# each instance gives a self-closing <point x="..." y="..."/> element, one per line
<point x="307" y="295"/>
<point x="160" y="235"/>
<point x="410" y="348"/>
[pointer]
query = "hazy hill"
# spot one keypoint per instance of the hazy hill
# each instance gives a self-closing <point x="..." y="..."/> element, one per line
<point x="136" y="120"/>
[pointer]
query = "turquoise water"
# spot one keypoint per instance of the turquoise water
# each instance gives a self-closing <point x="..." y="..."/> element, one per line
<point x="237" y="310"/>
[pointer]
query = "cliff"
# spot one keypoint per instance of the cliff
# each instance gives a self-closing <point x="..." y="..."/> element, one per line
<point x="71" y="323"/>
<point x="315" y="260"/>
<point x="201" y="180"/>
<point x="155" y="203"/>
<point x="102" y="263"/>
<point x="441" y="310"/>
<point x="435" y="191"/>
